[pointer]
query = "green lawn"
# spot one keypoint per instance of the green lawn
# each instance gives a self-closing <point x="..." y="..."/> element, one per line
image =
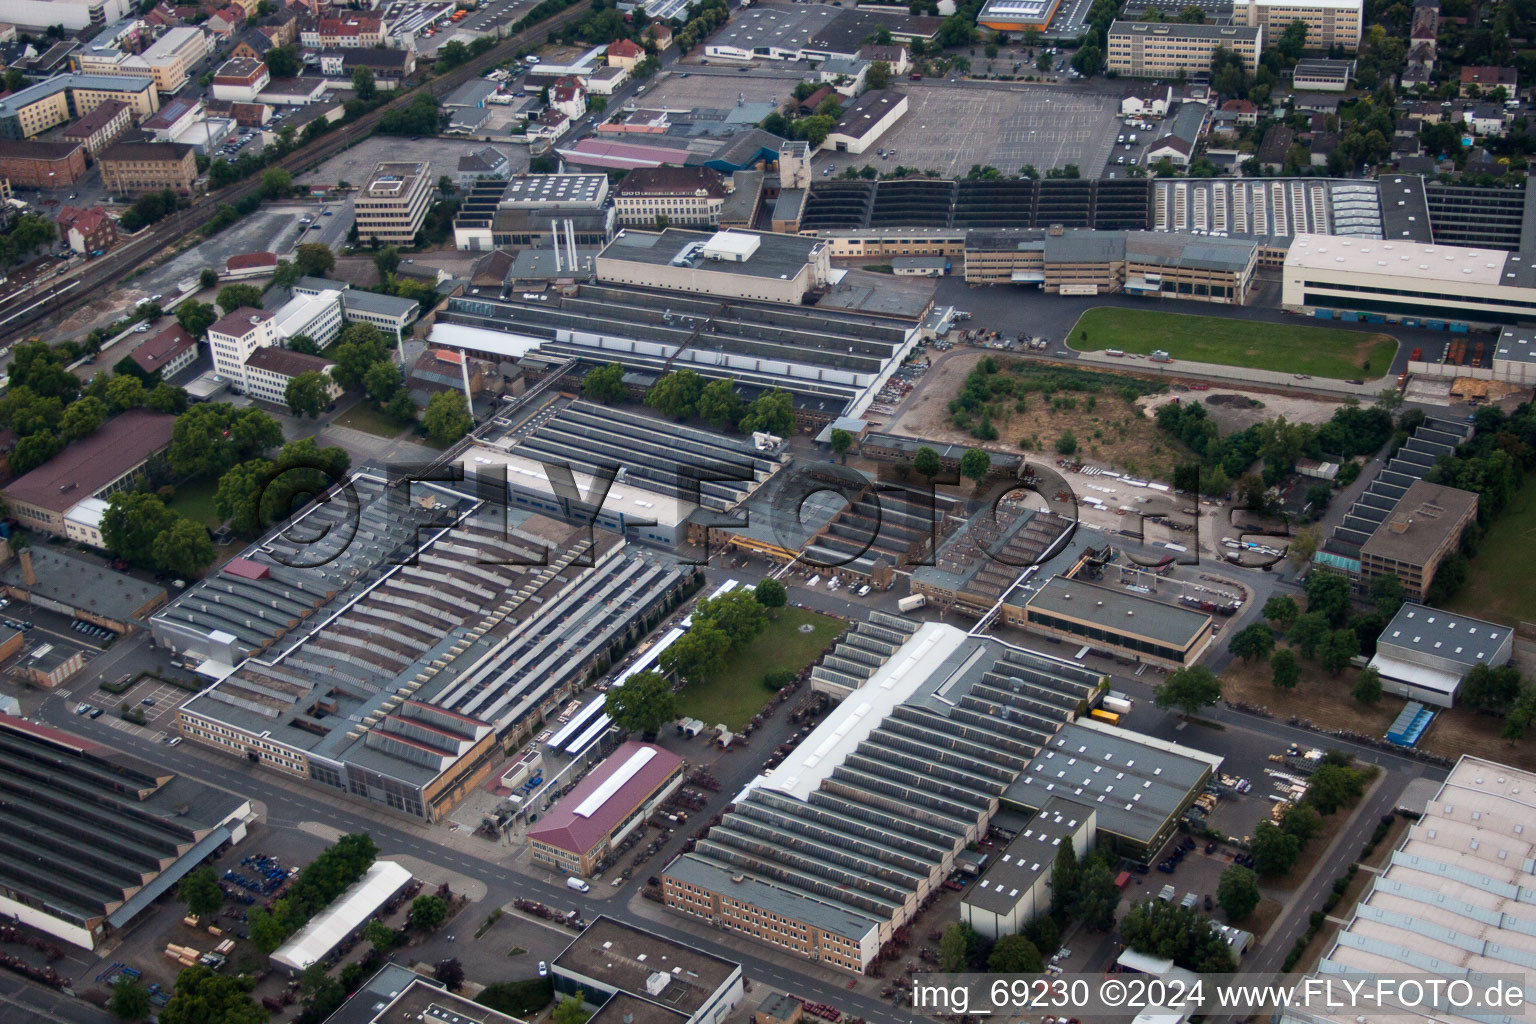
<point x="738" y="693"/>
<point x="1286" y="348"/>
<point x="1500" y="585"/>
<point x="363" y="416"/>
<point x="194" y="500"/>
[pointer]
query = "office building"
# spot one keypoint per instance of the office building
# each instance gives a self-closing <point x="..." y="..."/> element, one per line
<point x="269" y="371"/>
<point x="629" y="974"/>
<point x="578" y="835"/>
<point x="681" y="196"/>
<point x="240" y="81"/>
<point x="392" y="205"/>
<point x="41" y="164"/>
<point x="165" y="353"/>
<point x="542" y="211"/>
<point x="93" y="837"/>
<point x="316" y="317"/>
<point x="386" y="312"/>
<point x="134" y="168"/>
<point x="93" y="467"/>
<point x="29" y="112"/>
<point x="233" y="338"/>
<point x="1165" y="49"/>
<point x="1414" y="539"/>
<point x="167" y="62"/>
<point x="104" y="125"/>
<point x="73" y="15"/>
<point x="1330" y="23"/>
<point x="1015" y="888"/>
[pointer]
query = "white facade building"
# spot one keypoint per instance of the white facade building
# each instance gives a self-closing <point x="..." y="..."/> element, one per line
<point x="72" y="14"/>
<point x="316" y="317"/>
<point x="232" y="340"/>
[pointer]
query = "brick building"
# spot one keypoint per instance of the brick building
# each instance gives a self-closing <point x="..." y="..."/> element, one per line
<point x="134" y="168"/>
<point x="41" y="164"/>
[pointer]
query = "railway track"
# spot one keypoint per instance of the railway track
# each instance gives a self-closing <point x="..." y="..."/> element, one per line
<point x="22" y="313"/>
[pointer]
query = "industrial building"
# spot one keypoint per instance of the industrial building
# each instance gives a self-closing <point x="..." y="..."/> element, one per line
<point x="1449" y="901"/>
<point x="727" y="264"/>
<point x="343" y="918"/>
<point x="1409" y="279"/>
<point x="1425" y="653"/>
<point x="978" y="565"/>
<point x="1015" y="888"/>
<point x="70" y="585"/>
<point x="639" y="977"/>
<point x="1331" y="24"/>
<point x="535" y="210"/>
<point x="392" y="658"/>
<point x="615" y="798"/>
<point x="92" y="836"/>
<point x="1118" y="622"/>
<point x="1017" y="15"/>
<point x="865" y="120"/>
<point x="392" y="204"/>
<point x="1166" y="49"/>
<point x="684" y="196"/>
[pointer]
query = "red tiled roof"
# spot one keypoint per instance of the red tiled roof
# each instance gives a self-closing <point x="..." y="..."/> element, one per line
<point x="565" y="89"/>
<point x="246" y="569"/>
<point x="88" y="465"/>
<point x="564" y="829"/>
<point x="238" y="323"/>
<point x="247" y="260"/>
<point x="625" y="48"/>
<point x="286" y="361"/>
<point x="161" y="348"/>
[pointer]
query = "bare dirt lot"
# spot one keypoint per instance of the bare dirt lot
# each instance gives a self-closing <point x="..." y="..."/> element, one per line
<point x="1109" y="430"/>
<point x="1231" y="413"/>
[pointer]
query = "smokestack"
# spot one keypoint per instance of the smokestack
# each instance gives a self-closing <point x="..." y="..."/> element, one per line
<point x="27" y="572"/>
<point x="570" y="234"/>
<point x="554" y="232"/>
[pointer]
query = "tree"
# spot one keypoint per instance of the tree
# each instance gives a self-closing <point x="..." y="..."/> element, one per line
<point x="313" y="259"/>
<point x="1489" y="690"/>
<point x="283" y="61"/>
<point x="1303" y="822"/>
<point x="878" y="76"/>
<point x="183" y="547"/>
<point x="130" y="999"/>
<point x="974" y="465"/>
<point x="196" y="317"/>
<point x="604" y="384"/>
<point x="1282" y="611"/>
<point x="952" y="948"/>
<point x="356" y="350"/>
<point x="1238" y="892"/>
<point x="1338" y="649"/>
<point x="1181" y="934"/>
<point x="1274" y="852"/>
<point x="771" y="594"/>
<point x="569" y="1011"/>
<point x="1097" y="897"/>
<point x="308" y="393"/>
<point x="166" y="398"/>
<point x="380" y="936"/>
<point x="401" y="408"/>
<point x="926" y="462"/>
<point x="203" y="997"/>
<point x="1064" y="875"/>
<point x="738" y="614"/>
<point x="1014" y="954"/>
<point x="82" y="417"/>
<point x="447" y="418"/>
<point x="363" y="84"/>
<point x="428" y="911"/>
<point x="43" y="369"/>
<point x="772" y="412"/>
<point x="34" y="450"/>
<point x="676" y="395"/>
<point x="386" y="261"/>
<point x="235" y="296"/>
<point x="1328" y="594"/>
<point x="237" y="499"/>
<point x="1285" y="668"/>
<point x="698" y="653"/>
<point x="1309" y="634"/>
<point x="643" y="703"/>
<point x="1189" y="689"/>
<point x="131" y="523"/>
<point x="719" y="405"/>
<point x="1252" y="643"/>
<point x="1334" y="786"/>
<point x="383" y="381"/>
<point x="450" y="972"/>
<point x="199" y="890"/>
<point x="1387" y="594"/>
<point x="1066" y="444"/>
<point x="276" y="183"/>
<point x="208" y="277"/>
<point x="841" y="442"/>
<point x="124" y="393"/>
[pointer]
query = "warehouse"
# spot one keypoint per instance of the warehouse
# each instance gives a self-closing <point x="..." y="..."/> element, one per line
<point x="1017" y="15"/>
<point x="647" y="978"/>
<point x="1118" y="622"/>
<point x="1425" y="653"/>
<point x="865" y="120"/>
<point x="343" y="919"/>
<point x="398" y="680"/>
<point x="93" y="836"/>
<point x="1438" y="282"/>
<point x="1016" y="888"/>
<point x="726" y="264"/>
<point x="835" y="849"/>
<point x="980" y="563"/>
<point x="1451" y="899"/>
<point x="578" y="835"/>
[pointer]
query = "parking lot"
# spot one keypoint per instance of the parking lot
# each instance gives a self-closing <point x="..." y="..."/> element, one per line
<point x="356" y="163"/>
<point x="947" y="129"/>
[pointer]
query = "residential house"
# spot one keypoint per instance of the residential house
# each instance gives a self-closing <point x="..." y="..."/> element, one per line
<point x="165" y="353"/>
<point x="624" y="54"/>
<point x="225" y="23"/>
<point x="487" y="164"/>
<point x="1146" y="99"/>
<point x="1483" y="80"/>
<point x="1274" y="148"/>
<point x="90" y="231"/>
<point x="569" y="97"/>
<point x="1247" y="114"/>
<point x="896" y="57"/>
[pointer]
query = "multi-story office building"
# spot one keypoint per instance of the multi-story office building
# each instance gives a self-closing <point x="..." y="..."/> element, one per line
<point x="41" y="164"/>
<point x="1425" y="527"/>
<point x="167" y="62"/>
<point x="1162" y="49"/>
<point x="133" y="168"/>
<point x="29" y="112"/>
<point x="1330" y="23"/>
<point x="234" y="337"/>
<point x="682" y="196"/>
<point x="101" y="127"/>
<point x="392" y="205"/>
<point x="269" y="371"/>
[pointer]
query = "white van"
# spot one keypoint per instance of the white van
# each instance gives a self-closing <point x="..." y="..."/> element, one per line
<point x="577" y="884"/>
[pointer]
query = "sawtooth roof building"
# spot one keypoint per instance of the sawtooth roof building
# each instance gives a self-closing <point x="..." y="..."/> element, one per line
<point x="831" y="852"/>
<point x="92" y="836"/>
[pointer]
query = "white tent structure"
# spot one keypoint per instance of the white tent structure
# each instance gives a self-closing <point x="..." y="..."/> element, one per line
<point x="347" y="914"/>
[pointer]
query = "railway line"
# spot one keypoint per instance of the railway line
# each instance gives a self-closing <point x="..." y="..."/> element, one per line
<point x="22" y="313"/>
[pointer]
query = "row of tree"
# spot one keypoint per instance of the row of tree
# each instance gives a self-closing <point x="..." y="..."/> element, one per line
<point x="318" y="884"/>
<point x="684" y="395"/>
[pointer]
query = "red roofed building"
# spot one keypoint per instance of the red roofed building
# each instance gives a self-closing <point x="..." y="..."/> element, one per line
<point x="606" y="806"/>
<point x="659" y="34"/>
<point x="352" y="32"/>
<point x="165" y="354"/>
<point x="87" y="231"/>
<point x="625" y="54"/>
<point x="250" y="264"/>
<point x="569" y="97"/>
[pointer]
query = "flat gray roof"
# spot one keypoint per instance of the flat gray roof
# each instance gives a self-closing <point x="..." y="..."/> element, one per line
<point x="1517" y="344"/>
<point x="1119" y="610"/>
<point x="1420" y="522"/>
<point x="777" y="256"/>
<point x="623" y="957"/>
<point x="865" y="291"/>
<point x="1181" y="30"/>
<point x="1014" y="871"/>
<point x="1443" y="634"/>
<point x="85" y="585"/>
<point x="796" y="905"/>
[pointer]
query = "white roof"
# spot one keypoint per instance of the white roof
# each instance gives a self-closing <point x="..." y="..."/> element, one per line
<point x="87" y="513"/>
<point x="1442" y="264"/>
<point x="732" y="244"/>
<point x="1415" y="675"/>
<point x="862" y="711"/>
<point x="299" y="311"/>
<point x="625" y="498"/>
<point x="345" y="915"/>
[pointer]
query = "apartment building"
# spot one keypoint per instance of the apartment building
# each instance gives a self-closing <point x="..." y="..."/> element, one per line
<point x="100" y="128"/>
<point x="684" y="196"/>
<point x="392" y="205"/>
<point x="1158" y="49"/>
<point x="168" y="62"/>
<point x="352" y="32"/>
<point x="29" y="112"/>
<point x="1330" y="23"/>
<point x="133" y="168"/>
<point x="87" y="231"/>
<point x="269" y="371"/>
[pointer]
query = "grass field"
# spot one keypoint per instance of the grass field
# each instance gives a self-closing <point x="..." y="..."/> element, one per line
<point x="363" y="416"/>
<point x="195" y="501"/>
<point x="1285" y="348"/>
<point x="1500" y="585"/>
<point x="738" y="692"/>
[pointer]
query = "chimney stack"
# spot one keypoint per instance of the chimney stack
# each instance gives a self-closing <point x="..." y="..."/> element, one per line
<point x="26" y="567"/>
